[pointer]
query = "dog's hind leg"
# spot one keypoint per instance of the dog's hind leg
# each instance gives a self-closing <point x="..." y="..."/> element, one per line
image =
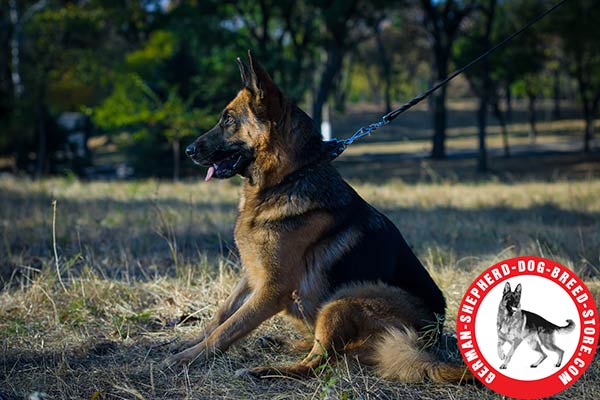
<point x="535" y="345"/>
<point x="285" y="343"/>
<point x="369" y="326"/>
<point x="547" y="340"/>
<point x="335" y="331"/>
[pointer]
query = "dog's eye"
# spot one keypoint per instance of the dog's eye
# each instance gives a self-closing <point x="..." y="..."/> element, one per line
<point x="228" y="121"/>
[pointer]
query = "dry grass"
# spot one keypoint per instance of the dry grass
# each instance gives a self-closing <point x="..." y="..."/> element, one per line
<point x="137" y="257"/>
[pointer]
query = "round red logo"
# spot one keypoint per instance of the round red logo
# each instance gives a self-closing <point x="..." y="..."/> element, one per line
<point x="527" y="327"/>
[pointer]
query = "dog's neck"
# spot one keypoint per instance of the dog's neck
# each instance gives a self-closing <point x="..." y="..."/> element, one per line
<point x="295" y="144"/>
<point x="508" y="310"/>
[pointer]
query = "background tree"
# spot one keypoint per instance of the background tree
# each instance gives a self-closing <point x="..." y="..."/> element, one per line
<point x="393" y="60"/>
<point x="284" y="36"/>
<point x="153" y="72"/>
<point x="480" y="76"/>
<point x="577" y="26"/>
<point x="442" y="20"/>
<point x="66" y="56"/>
<point x="161" y="95"/>
<point x="345" y="25"/>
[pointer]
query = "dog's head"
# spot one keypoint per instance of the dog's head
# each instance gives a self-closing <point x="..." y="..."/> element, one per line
<point x="253" y="137"/>
<point x="511" y="300"/>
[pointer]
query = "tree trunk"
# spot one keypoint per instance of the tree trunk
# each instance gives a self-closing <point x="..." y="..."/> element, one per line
<point x="264" y="30"/>
<point x="508" y="100"/>
<point x="589" y="129"/>
<point x="386" y="69"/>
<point x="345" y="83"/>
<point x="590" y="124"/>
<point x="41" y="152"/>
<point x="332" y="68"/>
<point x="588" y="105"/>
<point x="176" y="159"/>
<point x="439" y="125"/>
<point x="482" y="162"/>
<point x="15" y="38"/>
<point x="373" y="86"/>
<point x="500" y="118"/>
<point x="588" y="116"/>
<point x="482" y="123"/>
<point x="531" y="97"/>
<point x="438" y="150"/>
<point x="14" y="50"/>
<point x="556" y="95"/>
<point x="443" y="23"/>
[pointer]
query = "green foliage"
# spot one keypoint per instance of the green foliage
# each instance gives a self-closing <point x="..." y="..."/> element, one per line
<point x="578" y="27"/>
<point x="159" y="48"/>
<point x="67" y="53"/>
<point x="521" y="59"/>
<point x="152" y="73"/>
<point x="155" y="99"/>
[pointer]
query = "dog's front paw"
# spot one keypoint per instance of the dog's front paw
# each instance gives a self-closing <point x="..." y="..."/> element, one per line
<point x="182" y="345"/>
<point x="270" y="342"/>
<point x="246" y="373"/>
<point x="178" y="360"/>
<point x="503" y="366"/>
<point x="256" y="373"/>
<point x="501" y="354"/>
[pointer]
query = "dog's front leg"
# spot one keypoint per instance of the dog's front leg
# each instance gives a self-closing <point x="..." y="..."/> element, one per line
<point x="260" y="306"/>
<point x="230" y="305"/>
<point x="511" y="351"/>
<point x="501" y="341"/>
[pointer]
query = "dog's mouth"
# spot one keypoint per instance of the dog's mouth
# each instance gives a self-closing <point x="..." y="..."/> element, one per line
<point x="224" y="164"/>
<point x="511" y="307"/>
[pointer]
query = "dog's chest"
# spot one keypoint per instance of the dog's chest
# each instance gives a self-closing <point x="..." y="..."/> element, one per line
<point x="256" y="247"/>
<point x="510" y="325"/>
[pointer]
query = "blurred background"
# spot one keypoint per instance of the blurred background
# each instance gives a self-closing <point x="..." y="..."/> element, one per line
<point x="96" y="88"/>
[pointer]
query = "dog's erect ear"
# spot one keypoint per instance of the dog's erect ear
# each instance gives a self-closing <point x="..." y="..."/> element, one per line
<point x="269" y="99"/>
<point x="506" y="288"/>
<point x="244" y="72"/>
<point x="260" y="82"/>
<point x="518" y="292"/>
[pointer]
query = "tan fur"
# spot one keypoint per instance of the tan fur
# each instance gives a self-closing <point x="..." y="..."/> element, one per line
<point x="292" y="238"/>
<point x="399" y="358"/>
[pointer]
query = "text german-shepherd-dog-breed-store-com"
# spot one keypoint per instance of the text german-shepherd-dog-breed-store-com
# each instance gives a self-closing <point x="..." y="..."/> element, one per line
<point x="313" y="249"/>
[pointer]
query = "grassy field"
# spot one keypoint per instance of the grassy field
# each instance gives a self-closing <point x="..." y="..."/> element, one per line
<point x="143" y="262"/>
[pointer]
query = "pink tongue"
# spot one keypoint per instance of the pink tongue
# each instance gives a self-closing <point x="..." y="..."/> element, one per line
<point x="209" y="173"/>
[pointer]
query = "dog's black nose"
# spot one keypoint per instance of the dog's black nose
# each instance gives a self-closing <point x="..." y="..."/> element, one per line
<point x="190" y="150"/>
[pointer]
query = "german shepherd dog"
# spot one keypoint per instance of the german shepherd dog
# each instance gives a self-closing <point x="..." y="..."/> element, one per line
<point x="312" y="248"/>
<point x="515" y="325"/>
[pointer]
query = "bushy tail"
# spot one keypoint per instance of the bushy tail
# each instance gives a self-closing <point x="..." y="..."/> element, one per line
<point x="567" y="328"/>
<point x="398" y="357"/>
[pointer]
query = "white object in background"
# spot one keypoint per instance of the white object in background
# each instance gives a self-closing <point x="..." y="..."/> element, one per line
<point x="325" y="124"/>
<point x="326" y="130"/>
